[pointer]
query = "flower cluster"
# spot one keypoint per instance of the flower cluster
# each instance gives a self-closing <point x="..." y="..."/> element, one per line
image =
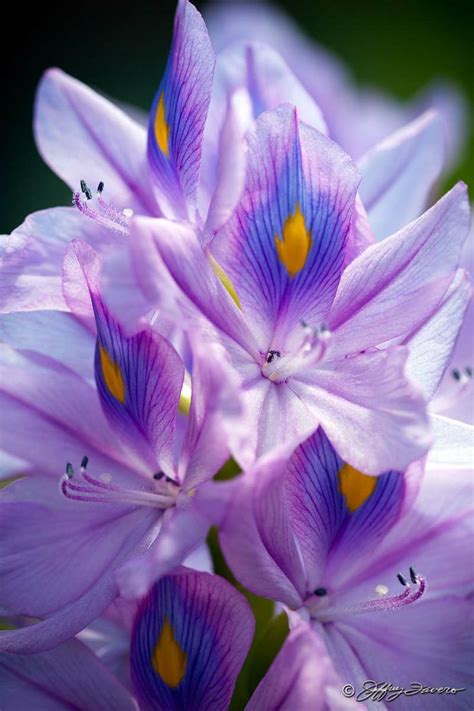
<point x="249" y="322"/>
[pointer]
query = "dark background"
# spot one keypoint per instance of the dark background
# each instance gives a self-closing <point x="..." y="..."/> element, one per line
<point x="120" y="48"/>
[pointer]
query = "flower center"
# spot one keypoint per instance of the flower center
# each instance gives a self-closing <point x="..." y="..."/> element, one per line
<point x="324" y="609"/>
<point x="103" y="213"/>
<point x="84" y="487"/>
<point x="310" y="347"/>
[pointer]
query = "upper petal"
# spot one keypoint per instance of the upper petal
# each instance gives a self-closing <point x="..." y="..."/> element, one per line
<point x="179" y="113"/>
<point x="138" y="378"/>
<point x="190" y="638"/>
<point x="284" y="247"/>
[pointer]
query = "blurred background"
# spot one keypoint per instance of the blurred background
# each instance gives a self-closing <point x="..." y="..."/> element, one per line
<point x="120" y="49"/>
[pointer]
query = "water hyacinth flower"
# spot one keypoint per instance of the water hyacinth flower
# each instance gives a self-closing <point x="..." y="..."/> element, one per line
<point x="314" y="343"/>
<point x="187" y="641"/>
<point x="380" y="567"/>
<point x="137" y="488"/>
<point x="357" y="118"/>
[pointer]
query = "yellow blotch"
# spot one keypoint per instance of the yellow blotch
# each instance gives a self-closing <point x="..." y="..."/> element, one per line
<point x="112" y="375"/>
<point x="224" y="279"/>
<point x="355" y="486"/>
<point x="293" y="248"/>
<point x="162" y="130"/>
<point x="168" y="659"/>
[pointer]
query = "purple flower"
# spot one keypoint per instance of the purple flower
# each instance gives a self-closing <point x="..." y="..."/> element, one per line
<point x="357" y="118"/>
<point x="184" y="644"/>
<point x="379" y="566"/>
<point x="138" y="497"/>
<point x="315" y="340"/>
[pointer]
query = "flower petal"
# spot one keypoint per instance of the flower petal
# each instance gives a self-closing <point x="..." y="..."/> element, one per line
<point x="372" y="415"/>
<point x="433" y="343"/>
<point x="284" y="247"/>
<point x="301" y="677"/>
<point x="81" y="135"/>
<point x="68" y="676"/>
<point x="138" y="378"/>
<point x="58" y="414"/>
<point x="453" y="444"/>
<point x="178" y="115"/>
<point x="184" y="258"/>
<point x="257" y="538"/>
<point x="191" y="635"/>
<point x="404" y="648"/>
<point x="181" y="533"/>
<point x="333" y="507"/>
<point x="395" y="285"/>
<point x="398" y="174"/>
<point x="32" y="257"/>
<point x="215" y="417"/>
<point x="54" y="550"/>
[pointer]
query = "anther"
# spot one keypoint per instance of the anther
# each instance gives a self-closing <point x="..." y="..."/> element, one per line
<point x="84" y="462"/>
<point x="468" y="371"/>
<point x="271" y="355"/>
<point x="320" y="592"/>
<point x="69" y="470"/>
<point x="413" y="576"/>
<point x="100" y="187"/>
<point x="402" y="579"/>
<point x="456" y="373"/>
<point x="158" y="476"/>
<point x="86" y="190"/>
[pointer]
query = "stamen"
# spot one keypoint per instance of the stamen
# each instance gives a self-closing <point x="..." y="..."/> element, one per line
<point x="320" y="592"/>
<point x="271" y="355"/>
<point x="310" y="350"/>
<point x="107" y="215"/>
<point x="384" y="603"/>
<point x="85" y="487"/>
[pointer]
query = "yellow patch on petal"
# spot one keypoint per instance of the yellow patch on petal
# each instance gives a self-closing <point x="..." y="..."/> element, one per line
<point x="355" y="486"/>
<point x="168" y="659"/>
<point x="162" y="130"/>
<point x="224" y="279"/>
<point x="112" y="375"/>
<point x="293" y="248"/>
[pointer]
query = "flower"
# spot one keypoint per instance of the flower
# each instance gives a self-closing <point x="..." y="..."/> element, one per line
<point x="185" y="648"/>
<point x="378" y="566"/>
<point x="357" y="118"/>
<point x="314" y="342"/>
<point x="142" y="495"/>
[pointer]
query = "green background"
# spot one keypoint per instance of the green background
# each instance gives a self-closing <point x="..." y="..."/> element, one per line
<point x="120" y="49"/>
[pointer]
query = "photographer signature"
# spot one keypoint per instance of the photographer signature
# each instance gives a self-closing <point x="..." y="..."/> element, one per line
<point x="385" y="691"/>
